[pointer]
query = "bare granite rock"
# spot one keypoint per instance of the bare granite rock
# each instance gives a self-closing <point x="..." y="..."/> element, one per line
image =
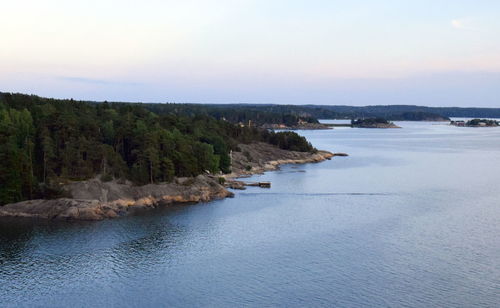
<point x="96" y="200"/>
<point x="260" y="157"/>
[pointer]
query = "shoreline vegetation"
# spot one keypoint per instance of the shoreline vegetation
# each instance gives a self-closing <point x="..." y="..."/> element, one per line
<point x="94" y="199"/>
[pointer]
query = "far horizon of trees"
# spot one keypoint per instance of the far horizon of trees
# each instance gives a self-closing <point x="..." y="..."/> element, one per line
<point x="253" y="115"/>
<point x="290" y="115"/>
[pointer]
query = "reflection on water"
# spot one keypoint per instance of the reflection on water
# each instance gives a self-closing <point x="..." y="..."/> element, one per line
<point x="410" y="218"/>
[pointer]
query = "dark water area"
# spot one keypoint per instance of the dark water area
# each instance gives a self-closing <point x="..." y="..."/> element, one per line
<point x="411" y="218"/>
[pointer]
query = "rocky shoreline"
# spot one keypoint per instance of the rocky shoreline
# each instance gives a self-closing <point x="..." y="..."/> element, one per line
<point x="258" y="158"/>
<point x="97" y="200"/>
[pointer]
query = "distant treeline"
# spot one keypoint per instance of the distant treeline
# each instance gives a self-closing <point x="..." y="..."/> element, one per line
<point x="310" y="113"/>
<point x="402" y="112"/>
<point x="291" y="114"/>
<point x="254" y="115"/>
<point x="46" y="142"/>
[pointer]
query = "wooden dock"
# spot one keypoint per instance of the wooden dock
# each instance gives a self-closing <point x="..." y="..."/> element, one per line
<point x="259" y="184"/>
<point x="241" y="184"/>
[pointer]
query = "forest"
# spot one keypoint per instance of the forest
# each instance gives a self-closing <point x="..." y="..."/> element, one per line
<point x="260" y="114"/>
<point x="256" y="115"/>
<point x="279" y="114"/>
<point x="45" y="143"/>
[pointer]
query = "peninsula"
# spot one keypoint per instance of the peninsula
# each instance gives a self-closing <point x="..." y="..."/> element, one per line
<point x="74" y="160"/>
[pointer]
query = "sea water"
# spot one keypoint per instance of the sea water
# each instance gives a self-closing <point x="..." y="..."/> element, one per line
<point x="410" y="219"/>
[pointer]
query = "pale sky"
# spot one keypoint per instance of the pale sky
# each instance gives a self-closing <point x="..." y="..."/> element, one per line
<point x="425" y="52"/>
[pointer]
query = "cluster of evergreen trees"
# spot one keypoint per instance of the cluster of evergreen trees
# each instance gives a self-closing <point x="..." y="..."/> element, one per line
<point x="290" y="115"/>
<point x="290" y="141"/>
<point x="45" y="142"/>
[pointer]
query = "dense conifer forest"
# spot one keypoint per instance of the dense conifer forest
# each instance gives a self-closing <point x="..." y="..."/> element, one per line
<point x="47" y="142"/>
<point x="256" y="115"/>
<point x="290" y="114"/>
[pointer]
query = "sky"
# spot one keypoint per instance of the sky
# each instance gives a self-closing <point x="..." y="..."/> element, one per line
<point x="350" y="52"/>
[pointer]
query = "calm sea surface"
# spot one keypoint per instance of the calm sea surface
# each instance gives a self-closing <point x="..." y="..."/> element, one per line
<point x="411" y="218"/>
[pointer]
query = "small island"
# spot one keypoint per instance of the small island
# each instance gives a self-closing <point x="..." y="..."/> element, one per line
<point x="373" y="123"/>
<point x="476" y="123"/>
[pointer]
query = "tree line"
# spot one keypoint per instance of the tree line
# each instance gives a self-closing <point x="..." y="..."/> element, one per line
<point x="256" y="115"/>
<point x="260" y="114"/>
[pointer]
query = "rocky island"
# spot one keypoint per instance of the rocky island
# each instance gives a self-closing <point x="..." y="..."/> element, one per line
<point x="373" y="123"/>
<point x="476" y="123"/>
